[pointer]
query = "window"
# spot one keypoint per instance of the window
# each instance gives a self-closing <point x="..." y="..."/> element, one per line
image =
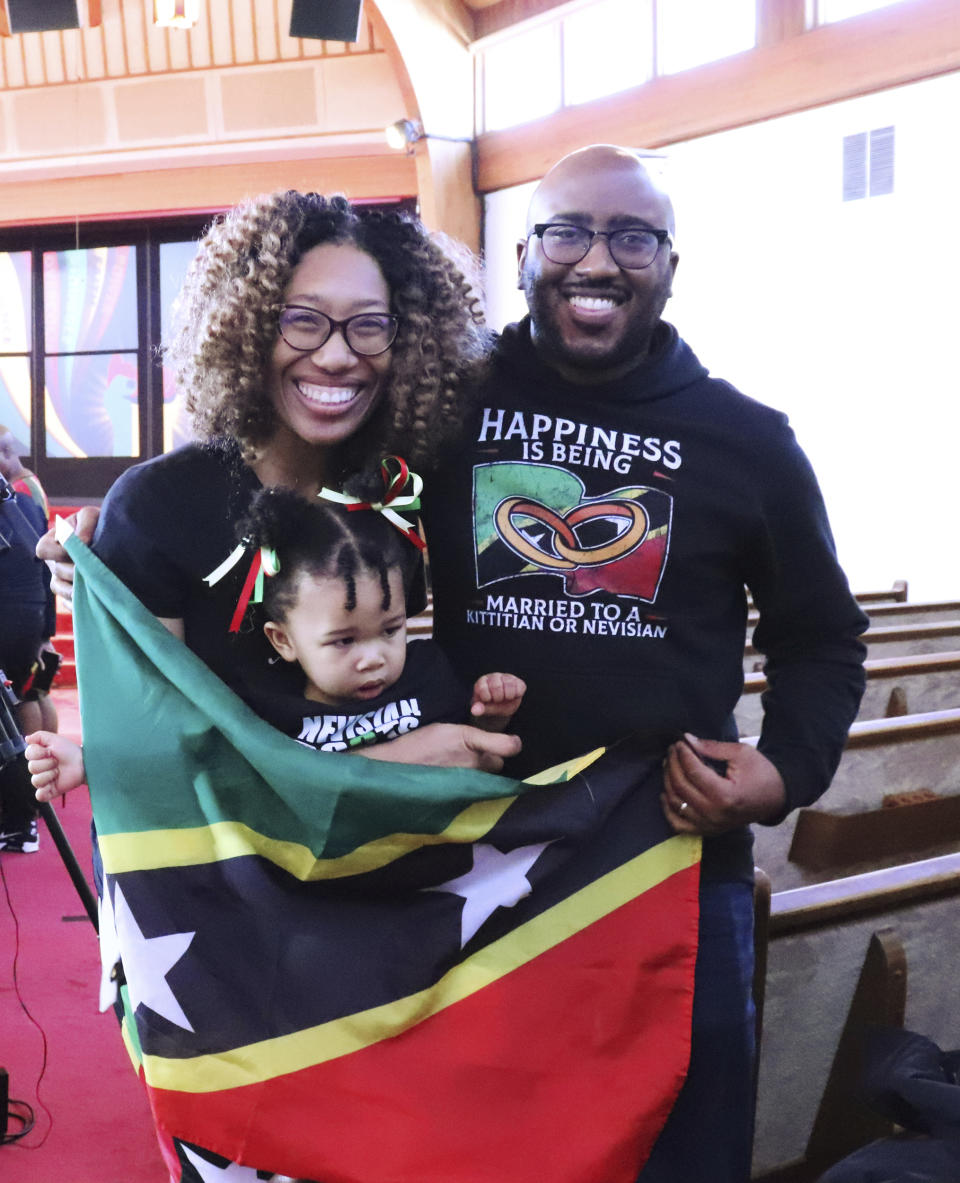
<point x="175" y="258"/>
<point x="16" y="346"/>
<point x="91" y="401"/>
<point x="692" y="32"/>
<point x="521" y="78"/>
<point x="617" y="34"/>
<point x="82" y="311"/>
<point x="587" y="49"/>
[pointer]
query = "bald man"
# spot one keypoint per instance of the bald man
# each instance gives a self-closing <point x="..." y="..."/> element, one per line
<point x="596" y="535"/>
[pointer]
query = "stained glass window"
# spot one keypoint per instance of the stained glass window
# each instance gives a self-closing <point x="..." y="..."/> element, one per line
<point x="91" y="343"/>
<point x="16" y="345"/>
<point x="175" y="258"/>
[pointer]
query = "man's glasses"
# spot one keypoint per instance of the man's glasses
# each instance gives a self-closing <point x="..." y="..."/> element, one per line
<point x="632" y="248"/>
<point x="366" y="334"/>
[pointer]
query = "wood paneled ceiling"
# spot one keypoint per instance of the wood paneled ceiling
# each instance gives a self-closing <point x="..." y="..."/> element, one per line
<point x="126" y="44"/>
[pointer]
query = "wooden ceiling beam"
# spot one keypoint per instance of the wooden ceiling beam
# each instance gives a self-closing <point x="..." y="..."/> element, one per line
<point x="428" y="41"/>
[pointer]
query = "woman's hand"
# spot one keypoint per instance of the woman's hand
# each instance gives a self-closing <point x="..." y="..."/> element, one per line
<point x="450" y="745"/>
<point x="84" y="523"/>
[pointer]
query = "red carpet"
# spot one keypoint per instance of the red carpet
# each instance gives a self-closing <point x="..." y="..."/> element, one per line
<point x="93" y="1123"/>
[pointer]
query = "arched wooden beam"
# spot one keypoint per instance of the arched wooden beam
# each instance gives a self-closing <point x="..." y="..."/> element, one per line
<point x="429" y="43"/>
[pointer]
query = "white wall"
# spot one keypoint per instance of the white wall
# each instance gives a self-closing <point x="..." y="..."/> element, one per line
<point x="844" y="315"/>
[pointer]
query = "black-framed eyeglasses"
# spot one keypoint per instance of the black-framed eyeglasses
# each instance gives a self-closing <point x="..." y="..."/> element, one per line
<point x="367" y="334"/>
<point x="632" y="248"/>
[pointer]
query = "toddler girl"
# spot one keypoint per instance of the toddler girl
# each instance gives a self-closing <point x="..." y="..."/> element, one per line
<point x="333" y="603"/>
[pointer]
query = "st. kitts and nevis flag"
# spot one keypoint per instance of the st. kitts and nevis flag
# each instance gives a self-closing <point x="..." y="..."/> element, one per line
<point x="363" y="972"/>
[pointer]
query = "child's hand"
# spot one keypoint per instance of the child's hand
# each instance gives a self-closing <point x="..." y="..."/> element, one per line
<point x="496" y="697"/>
<point x="55" y="764"/>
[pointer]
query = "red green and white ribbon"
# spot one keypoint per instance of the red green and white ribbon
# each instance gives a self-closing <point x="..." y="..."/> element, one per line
<point x="396" y="477"/>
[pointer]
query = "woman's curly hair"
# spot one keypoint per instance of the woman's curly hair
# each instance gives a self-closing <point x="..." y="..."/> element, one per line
<point x="226" y="323"/>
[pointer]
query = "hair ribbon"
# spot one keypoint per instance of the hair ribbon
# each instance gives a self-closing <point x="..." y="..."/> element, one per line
<point x="265" y="562"/>
<point x="396" y="477"/>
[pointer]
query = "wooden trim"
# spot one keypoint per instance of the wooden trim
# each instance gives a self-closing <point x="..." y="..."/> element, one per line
<point x="890" y="47"/>
<point x="894" y="632"/>
<point x="920" y="663"/>
<point x="882" y="667"/>
<point x="827" y="841"/>
<point x="877" y="612"/>
<point x="492" y="16"/>
<point x="924" y="630"/>
<point x="824" y="904"/>
<point x="871" y="733"/>
<point x="381" y="177"/>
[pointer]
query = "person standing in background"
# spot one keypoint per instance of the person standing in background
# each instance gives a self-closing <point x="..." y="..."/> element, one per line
<point x="42" y="712"/>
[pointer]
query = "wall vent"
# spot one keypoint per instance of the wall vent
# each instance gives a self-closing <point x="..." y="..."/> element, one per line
<point x="868" y="163"/>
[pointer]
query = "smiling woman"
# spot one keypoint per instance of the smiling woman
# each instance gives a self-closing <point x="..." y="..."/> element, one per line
<point x="310" y="339"/>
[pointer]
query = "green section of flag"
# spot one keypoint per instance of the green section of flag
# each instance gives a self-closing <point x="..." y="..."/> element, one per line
<point x="167" y="745"/>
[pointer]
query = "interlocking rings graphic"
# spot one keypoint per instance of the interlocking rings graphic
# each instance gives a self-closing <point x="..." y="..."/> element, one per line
<point x="569" y="553"/>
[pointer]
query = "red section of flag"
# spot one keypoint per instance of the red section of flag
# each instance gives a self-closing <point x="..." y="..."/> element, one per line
<point x="563" y="1070"/>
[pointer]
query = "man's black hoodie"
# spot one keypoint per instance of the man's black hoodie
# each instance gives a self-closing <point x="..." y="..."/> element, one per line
<point x="598" y="541"/>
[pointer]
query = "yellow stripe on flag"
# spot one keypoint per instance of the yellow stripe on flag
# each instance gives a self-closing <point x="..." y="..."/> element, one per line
<point x="270" y="1058"/>
<point x="198" y="845"/>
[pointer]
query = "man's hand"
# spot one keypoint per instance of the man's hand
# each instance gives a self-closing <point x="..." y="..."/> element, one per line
<point x="450" y="745"/>
<point x="84" y="523"/>
<point x="496" y="699"/>
<point x="698" y="800"/>
<point x="55" y="764"/>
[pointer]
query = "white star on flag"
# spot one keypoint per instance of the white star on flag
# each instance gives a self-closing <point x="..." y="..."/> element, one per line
<point x="109" y="951"/>
<point x="147" y="961"/>
<point x="496" y="880"/>
<point x="210" y="1173"/>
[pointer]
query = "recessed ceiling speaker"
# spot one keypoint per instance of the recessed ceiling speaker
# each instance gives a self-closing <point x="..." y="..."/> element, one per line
<point x="37" y="16"/>
<point x="327" y="20"/>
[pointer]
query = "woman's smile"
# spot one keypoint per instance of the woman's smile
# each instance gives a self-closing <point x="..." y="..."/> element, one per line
<point x="322" y="396"/>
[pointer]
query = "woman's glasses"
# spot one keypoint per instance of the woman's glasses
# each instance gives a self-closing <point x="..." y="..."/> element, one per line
<point x="366" y="334"/>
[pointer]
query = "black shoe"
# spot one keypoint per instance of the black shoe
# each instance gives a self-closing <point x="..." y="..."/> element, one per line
<point x="22" y="841"/>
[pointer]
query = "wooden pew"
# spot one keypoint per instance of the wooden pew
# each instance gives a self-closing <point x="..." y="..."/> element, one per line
<point x="420" y="626"/>
<point x="886" y="602"/>
<point x="895" y="686"/>
<point x="914" y="759"/>
<point x="897" y="640"/>
<point x="897" y="613"/>
<point x="890" y="614"/>
<point x="882" y="601"/>
<point x="879" y="948"/>
<point x="896" y="594"/>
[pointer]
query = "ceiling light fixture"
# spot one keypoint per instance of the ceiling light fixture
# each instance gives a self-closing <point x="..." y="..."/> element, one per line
<point x="406" y="132"/>
<point x="403" y="134"/>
